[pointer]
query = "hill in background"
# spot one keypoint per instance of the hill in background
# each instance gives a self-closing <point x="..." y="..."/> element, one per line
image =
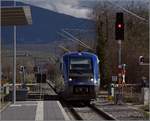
<point x="45" y="27"/>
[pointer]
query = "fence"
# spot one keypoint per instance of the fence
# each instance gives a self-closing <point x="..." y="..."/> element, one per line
<point x="34" y="89"/>
<point x="4" y="91"/>
<point x="7" y="88"/>
<point x="132" y="93"/>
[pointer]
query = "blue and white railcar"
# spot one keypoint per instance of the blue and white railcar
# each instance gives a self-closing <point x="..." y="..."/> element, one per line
<point x="80" y="71"/>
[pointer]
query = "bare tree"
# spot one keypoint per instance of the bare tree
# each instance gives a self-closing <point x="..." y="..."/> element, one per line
<point x="136" y="41"/>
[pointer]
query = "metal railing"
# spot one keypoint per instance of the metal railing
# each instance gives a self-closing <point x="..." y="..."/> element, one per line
<point x="4" y="91"/>
<point x="34" y="88"/>
<point x="132" y="93"/>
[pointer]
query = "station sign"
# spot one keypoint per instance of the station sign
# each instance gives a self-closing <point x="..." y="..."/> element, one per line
<point x="114" y="78"/>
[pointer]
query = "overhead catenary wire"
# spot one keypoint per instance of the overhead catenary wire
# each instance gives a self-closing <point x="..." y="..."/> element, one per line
<point x="77" y="29"/>
<point x="76" y="39"/>
<point x="70" y="39"/>
<point x="129" y="12"/>
<point x="62" y="47"/>
<point x="65" y="36"/>
<point x="69" y="34"/>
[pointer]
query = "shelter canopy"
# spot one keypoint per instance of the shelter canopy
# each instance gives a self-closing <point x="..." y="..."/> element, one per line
<point x="19" y="15"/>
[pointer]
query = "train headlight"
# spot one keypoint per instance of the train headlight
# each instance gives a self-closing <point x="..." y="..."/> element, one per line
<point x="92" y="79"/>
<point x="70" y="79"/>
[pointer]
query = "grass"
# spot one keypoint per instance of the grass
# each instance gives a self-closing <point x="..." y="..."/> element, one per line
<point x="147" y="115"/>
<point x="3" y="104"/>
<point x="131" y="100"/>
<point x="110" y="98"/>
<point x="145" y="108"/>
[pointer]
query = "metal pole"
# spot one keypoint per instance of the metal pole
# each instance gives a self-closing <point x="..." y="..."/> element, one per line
<point x="24" y="76"/>
<point x="0" y="57"/>
<point x="120" y="98"/>
<point x="116" y="89"/>
<point x="14" y="66"/>
<point x="119" y="52"/>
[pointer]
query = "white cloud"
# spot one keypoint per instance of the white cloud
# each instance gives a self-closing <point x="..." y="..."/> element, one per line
<point x="69" y="7"/>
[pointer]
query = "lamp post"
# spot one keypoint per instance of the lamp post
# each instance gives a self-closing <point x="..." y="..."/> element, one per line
<point x="14" y="67"/>
<point x="14" y="63"/>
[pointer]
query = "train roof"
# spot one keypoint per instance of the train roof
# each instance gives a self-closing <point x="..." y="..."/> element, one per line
<point x="80" y="53"/>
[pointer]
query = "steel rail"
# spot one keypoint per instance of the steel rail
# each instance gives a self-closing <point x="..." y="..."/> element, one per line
<point x="100" y="112"/>
<point x="71" y="110"/>
<point x="75" y="113"/>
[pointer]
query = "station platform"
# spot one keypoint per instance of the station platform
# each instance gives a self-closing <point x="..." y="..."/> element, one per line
<point x="34" y="110"/>
<point x="42" y="91"/>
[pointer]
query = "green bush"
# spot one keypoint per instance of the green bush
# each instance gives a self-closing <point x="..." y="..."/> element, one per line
<point x="145" y="108"/>
<point x="131" y="99"/>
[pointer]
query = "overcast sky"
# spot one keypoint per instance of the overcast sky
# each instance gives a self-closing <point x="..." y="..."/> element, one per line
<point x="74" y="8"/>
<point x="69" y="7"/>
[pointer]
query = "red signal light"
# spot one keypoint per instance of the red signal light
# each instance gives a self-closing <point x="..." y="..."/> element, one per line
<point x="119" y="25"/>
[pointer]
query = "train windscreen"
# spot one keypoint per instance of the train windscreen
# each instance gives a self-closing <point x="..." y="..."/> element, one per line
<point x="80" y="69"/>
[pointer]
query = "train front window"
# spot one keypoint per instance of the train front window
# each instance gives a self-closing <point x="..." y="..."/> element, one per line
<point x="80" y="68"/>
<point x="81" y="64"/>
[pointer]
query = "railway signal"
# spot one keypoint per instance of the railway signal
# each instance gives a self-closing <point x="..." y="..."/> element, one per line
<point x="22" y="68"/>
<point x="119" y="27"/>
<point x="141" y="60"/>
<point x="23" y="75"/>
<point x="123" y="73"/>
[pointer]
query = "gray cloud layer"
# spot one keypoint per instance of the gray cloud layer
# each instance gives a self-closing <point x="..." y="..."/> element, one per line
<point x="69" y="7"/>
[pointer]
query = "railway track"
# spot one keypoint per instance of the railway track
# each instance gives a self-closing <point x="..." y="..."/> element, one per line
<point x="88" y="112"/>
<point x="119" y="112"/>
<point x="105" y="115"/>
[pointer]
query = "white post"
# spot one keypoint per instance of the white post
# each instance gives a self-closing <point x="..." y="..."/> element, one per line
<point x="112" y="90"/>
<point x="145" y="96"/>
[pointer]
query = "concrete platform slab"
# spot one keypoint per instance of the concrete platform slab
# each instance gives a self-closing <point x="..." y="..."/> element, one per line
<point x="34" y="110"/>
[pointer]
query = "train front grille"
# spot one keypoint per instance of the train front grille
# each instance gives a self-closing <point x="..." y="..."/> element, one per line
<point x="81" y="90"/>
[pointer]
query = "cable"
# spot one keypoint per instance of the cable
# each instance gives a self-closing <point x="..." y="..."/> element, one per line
<point x="62" y="47"/>
<point x="77" y="39"/>
<point x="130" y="12"/>
<point x="71" y="39"/>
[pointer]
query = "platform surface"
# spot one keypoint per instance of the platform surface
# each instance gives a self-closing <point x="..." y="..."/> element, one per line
<point x="34" y="110"/>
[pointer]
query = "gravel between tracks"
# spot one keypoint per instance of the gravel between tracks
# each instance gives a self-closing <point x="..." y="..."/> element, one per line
<point x="88" y="114"/>
<point x="119" y="112"/>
